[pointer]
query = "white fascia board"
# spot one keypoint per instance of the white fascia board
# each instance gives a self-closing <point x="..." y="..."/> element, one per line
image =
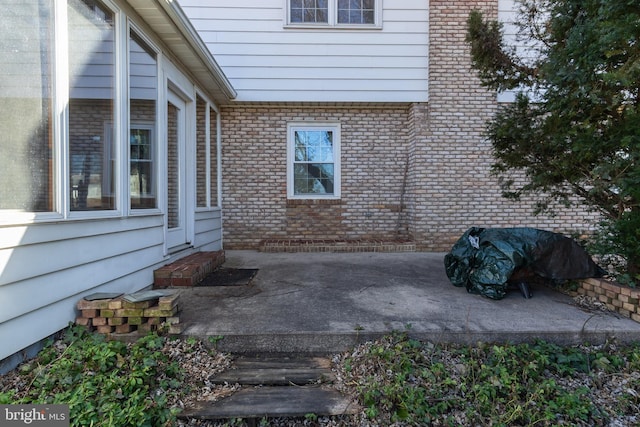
<point x="184" y="26"/>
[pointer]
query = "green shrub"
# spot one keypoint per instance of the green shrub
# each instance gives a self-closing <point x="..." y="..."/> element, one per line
<point x="105" y="383"/>
<point x="525" y="384"/>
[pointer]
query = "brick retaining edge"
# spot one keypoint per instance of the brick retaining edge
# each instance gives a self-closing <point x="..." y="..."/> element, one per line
<point x="621" y="299"/>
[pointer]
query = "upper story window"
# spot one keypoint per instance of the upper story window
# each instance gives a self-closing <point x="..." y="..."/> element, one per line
<point x="334" y="13"/>
<point x="309" y="11"/>
<point x="356" y="12"/>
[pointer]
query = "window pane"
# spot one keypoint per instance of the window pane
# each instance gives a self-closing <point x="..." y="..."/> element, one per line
<point x="300" y="146"/>
<point x="213" y="141"/>
<point x="311" y="11"/>
<point x="368" y="17"/>
<point x="343" y="16"/>
<point x="314" y="146"/>
<point x="26" y="149"/>
<point x="313" y="178"/>
<point x="322" y="15"/>
<point x="143" y="92"/>
<point x="356" y="11"/>
<point x="91" y="91"/>
<point x="296" y="15"/>
<point x="309" y="15"/>
<point x="201" y="152"/>
<point x="141" y="178"/>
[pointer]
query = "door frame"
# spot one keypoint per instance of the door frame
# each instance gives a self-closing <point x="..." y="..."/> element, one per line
<point x="175" y="87"/>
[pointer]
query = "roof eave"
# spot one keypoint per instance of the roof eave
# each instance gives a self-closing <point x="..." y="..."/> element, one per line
<point x="191" y="50"/>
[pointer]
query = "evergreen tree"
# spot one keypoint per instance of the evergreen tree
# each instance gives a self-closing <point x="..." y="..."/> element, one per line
<point x="574" y="128"/>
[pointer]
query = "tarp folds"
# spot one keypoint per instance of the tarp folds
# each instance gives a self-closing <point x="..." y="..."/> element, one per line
<point x="485" y="260"/>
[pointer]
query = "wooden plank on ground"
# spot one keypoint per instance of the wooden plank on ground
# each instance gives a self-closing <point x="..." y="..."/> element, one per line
<point x="259" y="402"/>
<point x="280" y="371"/>
<point x="271" y="376"/>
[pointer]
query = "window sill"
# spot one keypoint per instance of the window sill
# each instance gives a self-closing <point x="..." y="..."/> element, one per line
<point x="332" y="27"/>
<point x="309" y="202"/>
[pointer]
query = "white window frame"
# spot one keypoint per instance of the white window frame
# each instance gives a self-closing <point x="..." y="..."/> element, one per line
<point x="154" y="127"/>
<point x="213" y="148"/>
<point x="333" y="18"/>
<point x="116" y="127"/>
<point x="334" y="127"/>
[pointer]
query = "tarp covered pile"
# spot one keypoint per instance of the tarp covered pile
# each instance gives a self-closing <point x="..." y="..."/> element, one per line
<point x="485" y="260"/>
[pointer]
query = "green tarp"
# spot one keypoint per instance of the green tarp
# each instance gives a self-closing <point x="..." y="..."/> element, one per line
<point x="484" y="260"/>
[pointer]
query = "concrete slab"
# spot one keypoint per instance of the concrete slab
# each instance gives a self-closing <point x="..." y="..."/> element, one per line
<point x="328" y="302"/>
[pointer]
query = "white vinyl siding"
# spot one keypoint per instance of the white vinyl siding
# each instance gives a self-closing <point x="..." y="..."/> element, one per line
<point x="508" y="14"/>
<point x="267" y="61"/>
<point x="46" y="268"/>
<point x="50" y="260"/>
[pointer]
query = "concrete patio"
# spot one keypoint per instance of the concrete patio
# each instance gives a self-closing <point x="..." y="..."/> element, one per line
<point x="328" y="302"/>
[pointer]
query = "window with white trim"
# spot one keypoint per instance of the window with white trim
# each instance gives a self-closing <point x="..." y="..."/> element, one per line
<point x="92" y="33"/>
<point x="27" y="151"/>
<point x="206" y="154"/>
<point x="313" y="166"/>
<point x="143" y="101"/>
<point x="334" y="13"/>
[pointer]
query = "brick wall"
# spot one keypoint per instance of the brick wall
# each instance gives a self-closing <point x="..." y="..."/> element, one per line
<point x="419" y="171"/>
<point x="254" y="156"/>
<point x="451" y="158"/>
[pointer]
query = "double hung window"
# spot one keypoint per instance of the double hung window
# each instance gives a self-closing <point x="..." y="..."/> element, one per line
<point x="313" y="161"/>
<point x="334" y="13"/>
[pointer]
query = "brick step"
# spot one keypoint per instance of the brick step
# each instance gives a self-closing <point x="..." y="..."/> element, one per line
<point x="187" y="271"/>
<point x="337" y="245"/>
<point x="276" y="387"/>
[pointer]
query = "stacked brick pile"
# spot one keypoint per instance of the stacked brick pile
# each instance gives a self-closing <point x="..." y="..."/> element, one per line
<point x="122" y="316"/>
<point x="621" y="299"/>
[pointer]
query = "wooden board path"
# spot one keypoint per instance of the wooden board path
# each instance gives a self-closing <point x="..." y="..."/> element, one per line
<point x="276" y="387"/>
